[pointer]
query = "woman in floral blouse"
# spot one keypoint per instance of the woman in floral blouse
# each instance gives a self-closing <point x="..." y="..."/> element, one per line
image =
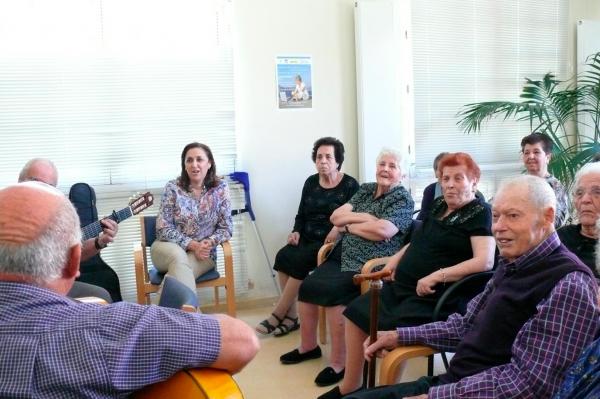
<point x="194" y="217"/>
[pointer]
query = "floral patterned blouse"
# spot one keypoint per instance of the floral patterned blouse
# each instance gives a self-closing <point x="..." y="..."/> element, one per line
<point x="183" y="218"/>
<point x="562" y="200"/>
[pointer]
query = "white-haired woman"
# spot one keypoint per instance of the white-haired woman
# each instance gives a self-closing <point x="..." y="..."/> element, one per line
<point x="454" y="241"/>
<point x="374" y="223"/>
<point x="581" y="238"/>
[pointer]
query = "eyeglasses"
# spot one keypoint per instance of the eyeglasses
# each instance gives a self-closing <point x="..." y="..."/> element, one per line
<point x="594" y="192"/>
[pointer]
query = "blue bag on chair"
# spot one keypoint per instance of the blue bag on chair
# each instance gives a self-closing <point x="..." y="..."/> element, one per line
<point x="175" y="294"/>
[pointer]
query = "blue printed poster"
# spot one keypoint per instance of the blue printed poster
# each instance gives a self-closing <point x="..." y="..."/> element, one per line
<point x="294" y="82"/>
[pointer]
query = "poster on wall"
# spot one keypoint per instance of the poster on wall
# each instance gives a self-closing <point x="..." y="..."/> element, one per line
<point x="294" y="82"/>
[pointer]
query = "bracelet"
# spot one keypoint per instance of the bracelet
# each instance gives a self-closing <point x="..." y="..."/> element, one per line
<point x="97" y="244"/>
<point x="347" y="229"/>
<point x="443" y="276"/>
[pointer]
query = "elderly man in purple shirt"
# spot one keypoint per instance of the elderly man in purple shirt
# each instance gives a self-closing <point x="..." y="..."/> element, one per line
<point x="54" y="347"/>
<point x="532" y="321"/>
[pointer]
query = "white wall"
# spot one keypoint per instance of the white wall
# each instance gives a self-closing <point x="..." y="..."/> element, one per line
<point x="579" y="9"/>
<point x="275" y="145"/>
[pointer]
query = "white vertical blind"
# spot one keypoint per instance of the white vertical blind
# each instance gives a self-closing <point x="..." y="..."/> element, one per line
<point x="467" y="51"/>
<point x="111" y="91"/>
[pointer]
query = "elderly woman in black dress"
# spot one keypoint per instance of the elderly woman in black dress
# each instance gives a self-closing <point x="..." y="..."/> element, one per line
<point x="581" y="238"/>
<point x="454" y="241"/>
<point x="373" y="223"/>
<point x="322" y="194"/>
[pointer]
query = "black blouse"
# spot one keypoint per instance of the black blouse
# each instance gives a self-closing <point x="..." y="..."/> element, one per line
<point x="442" y="242"/>
<point x="582" y="246"/>
<point x="318" y="203"/>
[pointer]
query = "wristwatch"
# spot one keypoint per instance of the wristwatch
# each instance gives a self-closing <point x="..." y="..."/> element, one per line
<point x="97" y="244"/>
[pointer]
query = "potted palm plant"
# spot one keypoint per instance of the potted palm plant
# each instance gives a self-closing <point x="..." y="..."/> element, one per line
<point x="568" y="112"/>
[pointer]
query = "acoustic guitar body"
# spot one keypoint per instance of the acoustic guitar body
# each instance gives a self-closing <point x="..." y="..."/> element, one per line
<point x="194" y="383"/>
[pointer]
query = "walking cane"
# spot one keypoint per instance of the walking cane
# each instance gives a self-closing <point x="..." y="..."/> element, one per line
<point x="375" y="285"/>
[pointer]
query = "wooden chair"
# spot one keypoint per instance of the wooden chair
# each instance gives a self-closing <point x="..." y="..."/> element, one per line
<point x="148" y="279"/>
<point x="321" y="257"/>
<point x="367" y="267"/>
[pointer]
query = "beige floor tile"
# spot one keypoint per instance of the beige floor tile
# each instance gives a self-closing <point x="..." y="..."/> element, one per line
<point x="266" y="377"/>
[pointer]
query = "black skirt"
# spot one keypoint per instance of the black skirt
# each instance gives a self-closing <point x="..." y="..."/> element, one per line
<point x="298" y="261"/>
<point x="394" y="310"/>
<point x="328" y="285"/>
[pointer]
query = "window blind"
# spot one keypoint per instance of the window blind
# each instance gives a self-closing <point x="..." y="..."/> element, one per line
<point x="111" y="91"/>
<point x="480" y="50"/>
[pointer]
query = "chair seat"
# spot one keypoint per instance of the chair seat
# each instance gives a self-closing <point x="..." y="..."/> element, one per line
<point x="156" y="277"/>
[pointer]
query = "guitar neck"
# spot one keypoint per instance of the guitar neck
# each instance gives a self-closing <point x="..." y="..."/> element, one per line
<point x="94" y="229"/>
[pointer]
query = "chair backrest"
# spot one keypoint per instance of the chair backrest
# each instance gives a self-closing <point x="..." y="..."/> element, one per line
<point x="414" y="226"/>
<point x="462" y="292"/>
<point x="175" y="294"/>
<point x="148" y="230"/>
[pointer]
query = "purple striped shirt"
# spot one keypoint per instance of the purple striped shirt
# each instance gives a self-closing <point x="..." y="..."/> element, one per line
<point x="565" y="323"/>
<point x="53" y="347"/>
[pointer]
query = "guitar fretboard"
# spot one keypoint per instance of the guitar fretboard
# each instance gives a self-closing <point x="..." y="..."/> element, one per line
<point x="94" y="229"/>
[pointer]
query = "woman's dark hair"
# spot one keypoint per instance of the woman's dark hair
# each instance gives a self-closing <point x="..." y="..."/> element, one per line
<point x="210" y="180"/>
<point x="536" y="137"/>
<point x="437" y="160"/>
<point x="338" y="149"/>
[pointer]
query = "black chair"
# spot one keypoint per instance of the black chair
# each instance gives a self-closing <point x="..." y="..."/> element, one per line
<point x="460" y="293"/>
<point x="94" y="270"/>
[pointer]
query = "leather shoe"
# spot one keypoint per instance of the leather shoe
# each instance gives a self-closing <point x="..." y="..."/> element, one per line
<point x="328" y="376"/>
<point x="295" y="356"/>
<point x="335" y="394"/>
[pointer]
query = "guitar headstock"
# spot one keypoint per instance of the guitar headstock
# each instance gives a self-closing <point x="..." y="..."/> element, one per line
<point x="141" y="202"/>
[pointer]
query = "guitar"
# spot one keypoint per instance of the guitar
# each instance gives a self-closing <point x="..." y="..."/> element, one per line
<point x="136" y="205"/>
<point x="194" y="383"/>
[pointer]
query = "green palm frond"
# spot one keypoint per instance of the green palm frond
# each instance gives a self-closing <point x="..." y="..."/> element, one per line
<point x="475" y="114"/>
<point x="552" y="107"/>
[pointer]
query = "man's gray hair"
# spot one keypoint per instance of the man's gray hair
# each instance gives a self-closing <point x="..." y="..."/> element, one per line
<point x="43" y="259"/>
<point x="587" y="169"/>
<point x="392" y="152"/>
<point x="23" y="175"/>
<point x="540" y="193"/>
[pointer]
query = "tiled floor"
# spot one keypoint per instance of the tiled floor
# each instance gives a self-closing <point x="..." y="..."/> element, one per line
<point x="266" y="377"/>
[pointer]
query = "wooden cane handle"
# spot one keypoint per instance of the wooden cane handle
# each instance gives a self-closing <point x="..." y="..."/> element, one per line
<point x="359" y="278"/>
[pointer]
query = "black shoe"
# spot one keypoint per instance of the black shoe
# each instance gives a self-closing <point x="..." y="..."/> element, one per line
<point x="332" y="394"/>
<point x="295" y="356"/>
<point x="335" y="394"/>
<point x="328" y="376"/>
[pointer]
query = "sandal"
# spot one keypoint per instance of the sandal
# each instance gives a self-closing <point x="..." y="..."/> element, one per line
<point x="284" y="329"/>
<point x="268" y="326"/>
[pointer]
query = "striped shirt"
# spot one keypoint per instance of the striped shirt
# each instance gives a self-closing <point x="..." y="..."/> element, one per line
<point x="564" y="324"/>
<point x="53" y="347"/>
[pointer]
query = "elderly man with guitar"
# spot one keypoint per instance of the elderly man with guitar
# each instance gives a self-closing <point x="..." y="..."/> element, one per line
<point x="54" y="347"/>
<point x="95" y="236"/>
